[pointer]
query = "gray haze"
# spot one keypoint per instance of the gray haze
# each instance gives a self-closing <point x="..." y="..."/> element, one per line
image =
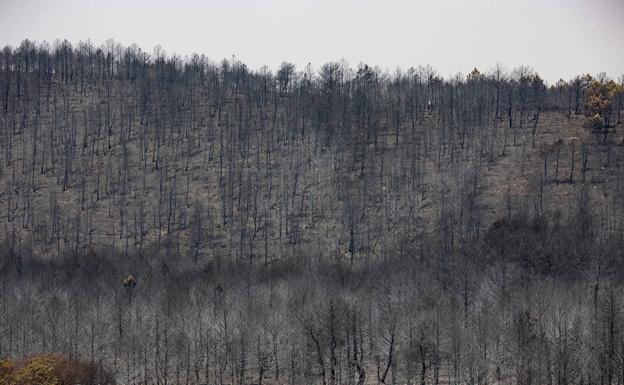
<point x="559" y="38"/>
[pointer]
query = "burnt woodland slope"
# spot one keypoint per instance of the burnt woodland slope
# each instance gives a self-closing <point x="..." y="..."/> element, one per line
<point x="183" y="221"/>
<point x="214" y="162"/>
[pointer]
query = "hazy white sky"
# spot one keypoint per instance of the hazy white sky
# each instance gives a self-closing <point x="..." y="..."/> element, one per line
<point x="559" y="38"/>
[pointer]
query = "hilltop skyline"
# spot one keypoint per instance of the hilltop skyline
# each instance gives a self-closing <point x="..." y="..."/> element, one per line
<point x="451" y="36"/>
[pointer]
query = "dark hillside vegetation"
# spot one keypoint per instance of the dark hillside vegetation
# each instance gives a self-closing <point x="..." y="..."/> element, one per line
<point x="178" y="220"/>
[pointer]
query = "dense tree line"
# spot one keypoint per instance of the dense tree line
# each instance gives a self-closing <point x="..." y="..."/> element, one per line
<point x="181" y="220"/>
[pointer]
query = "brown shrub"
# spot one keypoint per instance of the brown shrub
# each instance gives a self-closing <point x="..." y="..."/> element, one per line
<point x="594" y="122"/>
<point x="75" y="372"/>
<point x="37" y="370"/>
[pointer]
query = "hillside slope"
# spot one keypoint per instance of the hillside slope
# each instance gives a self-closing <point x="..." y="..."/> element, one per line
<point x="211" y="178"/>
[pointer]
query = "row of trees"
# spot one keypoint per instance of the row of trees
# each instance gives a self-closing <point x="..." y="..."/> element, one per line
<point x="487" y="319"/>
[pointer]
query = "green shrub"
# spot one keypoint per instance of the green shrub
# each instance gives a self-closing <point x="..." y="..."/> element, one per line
<point x="52" y="369"/>
<point x="39" y="370"/>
